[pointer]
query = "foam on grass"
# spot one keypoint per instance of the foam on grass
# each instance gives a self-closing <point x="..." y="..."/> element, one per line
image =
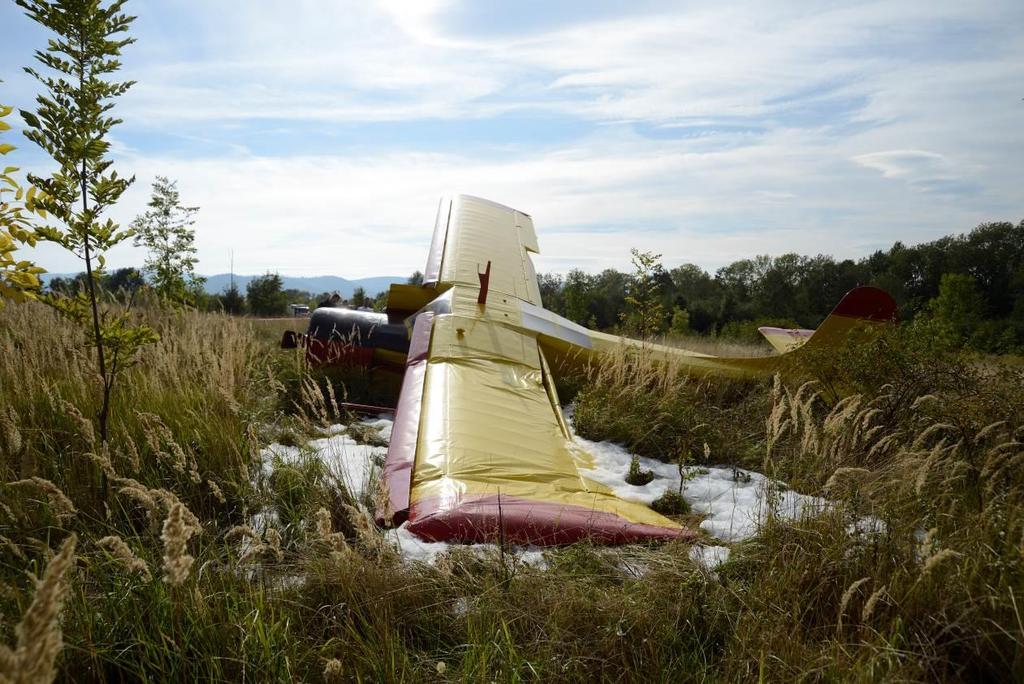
<point x="735" y="501"/>
<point x="354" y="464"/>
<point x="414" y="549"/>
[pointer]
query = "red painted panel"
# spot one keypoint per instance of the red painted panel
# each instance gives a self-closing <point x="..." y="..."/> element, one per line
<point x="867" y="302"/>
<point x="521" y="521"/>
<point x="336" y="353"/>
<point x="404" y="433"/>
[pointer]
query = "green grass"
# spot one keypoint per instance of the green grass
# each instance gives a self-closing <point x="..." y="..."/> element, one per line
<point x="930" y="444"/>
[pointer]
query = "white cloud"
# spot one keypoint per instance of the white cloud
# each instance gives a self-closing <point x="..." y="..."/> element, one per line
<point x="842" y="112"/>
<point x="372" y="214"/>
<point x="335" y="61"/>
<point x="906" y="163"/>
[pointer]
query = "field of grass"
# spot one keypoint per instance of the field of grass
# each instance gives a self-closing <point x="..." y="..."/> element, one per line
<point x="717" y="346"/>
<point x="175" y="554"/>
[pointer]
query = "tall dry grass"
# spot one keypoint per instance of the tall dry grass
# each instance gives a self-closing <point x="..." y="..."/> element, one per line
<point x="913" y="573"/>
<point x="717" y="346"/>
<point x="659" y="409"/>
<point x="183" y="418"/>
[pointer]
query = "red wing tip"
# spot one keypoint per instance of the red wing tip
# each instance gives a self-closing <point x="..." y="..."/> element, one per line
<point x="536" y="523"/>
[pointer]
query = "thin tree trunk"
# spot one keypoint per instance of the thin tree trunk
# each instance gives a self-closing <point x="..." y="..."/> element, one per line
<point x="97" y="335"/>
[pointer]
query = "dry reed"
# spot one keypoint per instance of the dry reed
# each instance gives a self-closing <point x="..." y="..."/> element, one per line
<point x="122" y="552"/>
<point x="60" y="505"/>
<point x="176" y="533"/>
<point x="39" y="636"/>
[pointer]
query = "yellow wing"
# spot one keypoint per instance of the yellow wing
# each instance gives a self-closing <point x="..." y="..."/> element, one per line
<point x="479" y="448"/>
<point x="494" y="457"/>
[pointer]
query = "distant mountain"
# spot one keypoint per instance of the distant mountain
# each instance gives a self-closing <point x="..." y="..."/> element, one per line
<point x="315" y="285"/>
<point x="215" y="284"/>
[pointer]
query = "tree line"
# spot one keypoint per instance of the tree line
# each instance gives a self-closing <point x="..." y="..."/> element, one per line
<point x="972" y="283"/>
<point x="263" y="296"/>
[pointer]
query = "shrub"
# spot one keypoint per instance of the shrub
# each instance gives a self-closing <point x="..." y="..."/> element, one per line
<point x="637" y="476"/>
<point x="671" y="503"/>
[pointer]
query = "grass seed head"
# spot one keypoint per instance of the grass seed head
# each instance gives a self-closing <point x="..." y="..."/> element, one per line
<point x="333" y="670"/>
<point x="102" y="460"/>
<point x="10" y="433"/>
<point x="848" y="595"/>
<point x="121" y="551"/>
<point x="216" y="491"/>
<point x="141" y="495"/>
<point x="240" y="532"/>
<point x="872" y="603"/>
<point x="176" y="533"/>
<point x="39" y="637"/>
<point x="273" y="538"/>
<point x="60" y="505"/>
<point x="12" y="547"/>
<point x="937" y="559"/>
<point x="85" y="426"/>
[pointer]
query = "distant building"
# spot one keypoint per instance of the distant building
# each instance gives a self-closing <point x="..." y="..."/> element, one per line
<point x="299" y="309"/>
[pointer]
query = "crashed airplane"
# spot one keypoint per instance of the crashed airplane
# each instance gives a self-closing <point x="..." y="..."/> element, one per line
<point x="480" y="450"/>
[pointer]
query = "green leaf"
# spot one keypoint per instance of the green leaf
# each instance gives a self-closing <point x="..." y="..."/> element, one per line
<point x="31" y="119"/>
<point x="6" y="147"/>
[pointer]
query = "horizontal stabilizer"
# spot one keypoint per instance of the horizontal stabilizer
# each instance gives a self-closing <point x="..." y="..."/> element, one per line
<point x="867" y="304"/>
<point x="785" y="339"/>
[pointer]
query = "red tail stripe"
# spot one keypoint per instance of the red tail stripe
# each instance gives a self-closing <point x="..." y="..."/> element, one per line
<point x="869" y="303"/>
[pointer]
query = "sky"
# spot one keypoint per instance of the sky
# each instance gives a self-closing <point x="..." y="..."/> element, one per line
<point x="317" y="136"/>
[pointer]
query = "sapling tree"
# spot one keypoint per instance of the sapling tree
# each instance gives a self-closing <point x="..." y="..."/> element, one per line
<point x="165" y="230"/>
<point x="645" y="314"/>
<point x="19" y="278"/>
<point x="71" y="124"/>
<point x="680" y="324"/>
<point x="637" y="476"/>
